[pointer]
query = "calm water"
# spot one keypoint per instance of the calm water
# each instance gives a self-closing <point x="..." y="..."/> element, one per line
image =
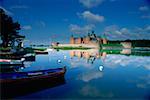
<point x="121" y="76"/>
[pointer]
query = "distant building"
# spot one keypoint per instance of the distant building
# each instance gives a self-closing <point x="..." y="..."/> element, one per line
<point x="55" y="44"/>
<point x="89" y="39"/>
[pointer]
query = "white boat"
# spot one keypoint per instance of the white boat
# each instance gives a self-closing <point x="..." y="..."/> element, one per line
<point x="11" y="62"/>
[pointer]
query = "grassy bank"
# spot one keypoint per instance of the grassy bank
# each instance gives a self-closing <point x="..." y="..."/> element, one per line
<point x="111" y="51"/>
<point x="32" y="50"/>
<point x="133" y="52"/>
<point x="7" y="49"/>
<point x="112" y="45"/>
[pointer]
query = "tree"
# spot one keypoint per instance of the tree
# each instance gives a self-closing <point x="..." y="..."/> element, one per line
<point x="8" y="29"/>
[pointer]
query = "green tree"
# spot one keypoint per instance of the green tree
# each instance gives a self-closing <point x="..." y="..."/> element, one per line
<point x="8" y="29"/>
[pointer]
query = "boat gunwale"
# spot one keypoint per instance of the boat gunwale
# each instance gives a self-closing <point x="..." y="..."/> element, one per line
<point x="52" y="74"/>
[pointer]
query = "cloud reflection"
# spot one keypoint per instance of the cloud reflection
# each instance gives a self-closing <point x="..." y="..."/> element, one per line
<point x="92" y="91"/>
<point x="88" y="76"/>
<point x="114" y="61"/>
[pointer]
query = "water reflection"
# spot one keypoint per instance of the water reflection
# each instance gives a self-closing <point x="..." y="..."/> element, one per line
<point x="93" y="54"/>
<point x="96" y="73"/>
<point x="90" y="75"/>
<point x="91" y="91"/>
<point x="90" y="55"/>
<point x="15" y="90"/>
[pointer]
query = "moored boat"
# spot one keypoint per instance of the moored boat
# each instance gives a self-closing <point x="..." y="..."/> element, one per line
<point x="23" y="83"/>
<point x="10" y="62"/>
<point x="40" y="52"/>
<point x="19" y="77"/>
<point x="28" y="57"/>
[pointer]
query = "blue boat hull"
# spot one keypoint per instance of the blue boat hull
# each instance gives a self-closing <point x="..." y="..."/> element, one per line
<point x="31" y="75"/>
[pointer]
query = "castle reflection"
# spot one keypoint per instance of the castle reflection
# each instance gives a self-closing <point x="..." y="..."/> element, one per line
<point x="92" y="54"/>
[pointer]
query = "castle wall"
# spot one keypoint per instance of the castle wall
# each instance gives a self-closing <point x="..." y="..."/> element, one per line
<point x="104" y="41"/>
<point x="126" y="44"/>
<point x="87" y="40"/>
<point x="72" y="40"/>
<point x="78" y="41"/>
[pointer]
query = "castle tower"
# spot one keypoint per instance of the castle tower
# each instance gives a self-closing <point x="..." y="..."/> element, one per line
<point x="87" y="40"/>
<point x="72" y="53"/>
<point x="79" y="41"/>
<point x="104" y="41"/>
<point x="72" y="40"/>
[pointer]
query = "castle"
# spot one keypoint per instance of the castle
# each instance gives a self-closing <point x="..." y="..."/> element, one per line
<point x="91" y="39"/>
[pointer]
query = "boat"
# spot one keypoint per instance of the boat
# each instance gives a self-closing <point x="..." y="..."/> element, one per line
<point x="19" y="77"/>
<point x="40" y="52"/>
<point x="23" y="83"/>
<point x="9" y="62"/>
<point x="28" y="57"/>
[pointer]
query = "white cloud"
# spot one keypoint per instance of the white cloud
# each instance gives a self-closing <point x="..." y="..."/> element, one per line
<point x="111" y="28"/>
<point x="141" y="85"/>
<point x="113" y="0"/>
<point x="147" y="28"/>
<point x="6" y="11"/>
<point x="27" y="27"/>
<point x="78" y="29"/>
<point x="91" y="3"/>
<point x="145" y="16"/>
<point x="65" y="19"/>
<point x="91" y="17"/>
<point x="41" y="24"/>
<point x="115" y="32"/>
<point x="144" y="8"/>
<point x="19" y="7"/>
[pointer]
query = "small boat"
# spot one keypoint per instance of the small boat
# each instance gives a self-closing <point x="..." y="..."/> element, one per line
<point x="19" y="77"/>
<point x="40" y="52"/>
<point x="11" y="62"/>
<point x="28" y="57"/>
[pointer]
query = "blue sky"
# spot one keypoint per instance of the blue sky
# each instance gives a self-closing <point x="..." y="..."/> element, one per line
<point x="43" y="21"/>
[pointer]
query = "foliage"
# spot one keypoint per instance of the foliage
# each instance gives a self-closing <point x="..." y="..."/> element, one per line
<point x="135" y="43"/>
<point x="9" y="29"/>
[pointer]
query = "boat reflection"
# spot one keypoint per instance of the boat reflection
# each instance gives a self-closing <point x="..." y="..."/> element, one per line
<point x="16" y="90"/>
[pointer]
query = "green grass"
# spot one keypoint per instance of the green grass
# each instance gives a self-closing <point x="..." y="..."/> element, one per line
<point x="28" y="50"/>
<point x="112" y="45"/>
<point x="39" y="49"/>
<point x="5" y="49"/>
<point x="71" y="48"/>
<point x="32" y="50"/>
<point x="133" y="52"/>
<point x="111" y="51"/>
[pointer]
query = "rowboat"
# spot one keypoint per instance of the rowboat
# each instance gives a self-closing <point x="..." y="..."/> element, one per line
<point x="28" y="57"/>
<point x="11" y="62"/>
<point x="18" y="77"/>
<point x="40" y="52"/>
<point x="23" y="83"/>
